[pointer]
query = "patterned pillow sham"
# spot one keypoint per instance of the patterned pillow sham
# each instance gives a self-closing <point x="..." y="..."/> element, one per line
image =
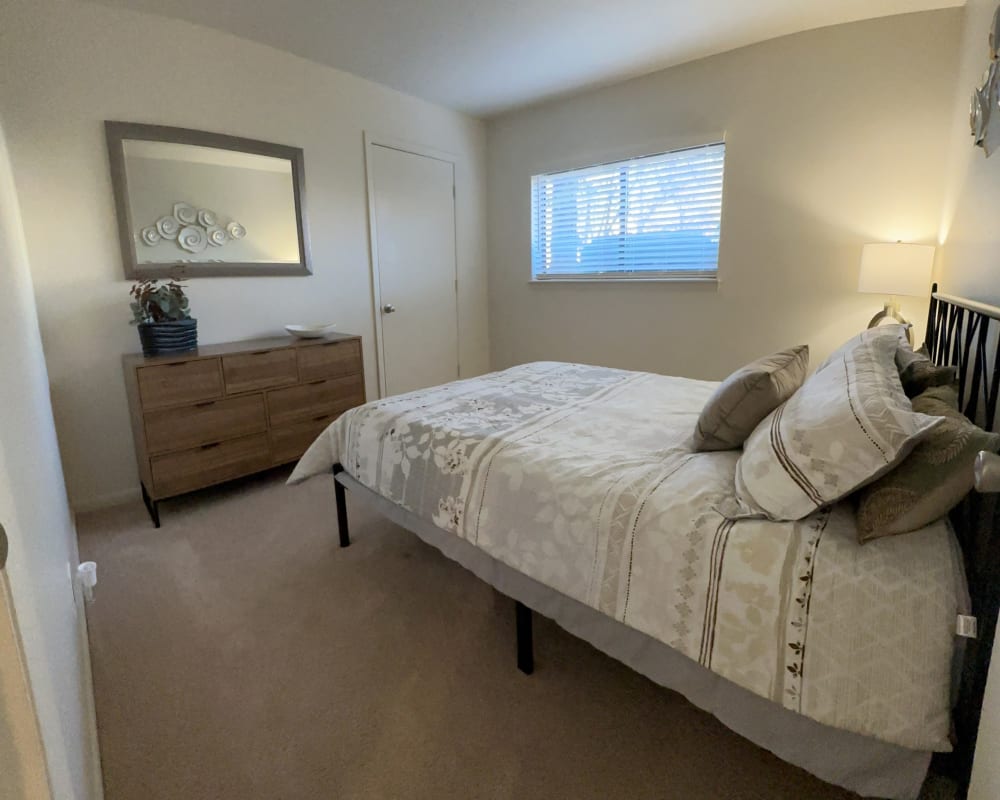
<point x="897" y="333"/>
<point x="917" y="372"/>
<point x="747" y="396"/>
<point x="849" y="424"/>
<point x="932" y="479"/>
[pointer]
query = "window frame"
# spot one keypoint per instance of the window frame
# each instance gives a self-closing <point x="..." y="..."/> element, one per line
<point x="615" y="157"/>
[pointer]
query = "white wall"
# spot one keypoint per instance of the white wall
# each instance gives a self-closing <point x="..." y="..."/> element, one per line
<point x="968" y="262"/>
<point x="969" y="266"/>
<point x="36" y="515"/>
<point x="835" y="137"/>
<point x="66" y="67"/>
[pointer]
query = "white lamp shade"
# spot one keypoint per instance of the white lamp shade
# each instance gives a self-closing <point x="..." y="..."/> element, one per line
<point x="892" y="269"/>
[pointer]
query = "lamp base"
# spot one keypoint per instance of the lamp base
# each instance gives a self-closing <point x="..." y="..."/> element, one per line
<point x="891" y="311"/>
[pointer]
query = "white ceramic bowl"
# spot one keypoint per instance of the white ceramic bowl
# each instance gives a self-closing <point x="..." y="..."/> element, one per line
<point x="310" y="331"/>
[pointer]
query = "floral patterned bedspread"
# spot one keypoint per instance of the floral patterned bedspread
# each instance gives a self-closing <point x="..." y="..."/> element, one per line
<point x="583" y="478"/>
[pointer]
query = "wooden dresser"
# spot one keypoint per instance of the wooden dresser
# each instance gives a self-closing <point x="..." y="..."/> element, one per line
<point x="229" y="410"/>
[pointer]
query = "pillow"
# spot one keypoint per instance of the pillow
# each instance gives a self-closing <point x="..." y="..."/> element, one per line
<point x="897" y="333"/>
<point x="848" y="424"/>
<point x="747" y="396"/>
<point x="932" y="479"/>
<point x="917" y="372"/>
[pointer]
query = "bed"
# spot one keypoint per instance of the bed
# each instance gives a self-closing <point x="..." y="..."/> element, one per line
<point x="575" y="490"/>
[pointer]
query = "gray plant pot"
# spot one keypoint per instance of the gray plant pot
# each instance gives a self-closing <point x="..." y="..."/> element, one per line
<point x="167" y="338"/>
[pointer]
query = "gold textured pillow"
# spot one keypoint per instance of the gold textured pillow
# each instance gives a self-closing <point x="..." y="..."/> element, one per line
<point x="932" y="479"/>
<point x="747" y="396"/>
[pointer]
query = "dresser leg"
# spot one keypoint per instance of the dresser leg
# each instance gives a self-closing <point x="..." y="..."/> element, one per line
<point x="341" y="494"/>
<point x="152" y="506"/>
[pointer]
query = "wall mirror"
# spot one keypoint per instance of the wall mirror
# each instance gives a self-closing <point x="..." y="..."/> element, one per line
<point x="193" y="204"/>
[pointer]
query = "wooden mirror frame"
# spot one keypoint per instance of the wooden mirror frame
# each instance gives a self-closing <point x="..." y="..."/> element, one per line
<point x="118" y="132"/>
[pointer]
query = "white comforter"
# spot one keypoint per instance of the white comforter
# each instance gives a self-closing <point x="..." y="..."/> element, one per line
<point x="583" y="478"/>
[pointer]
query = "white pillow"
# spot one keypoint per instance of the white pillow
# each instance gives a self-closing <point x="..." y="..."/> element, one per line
<point x="849" y="424"/>
<point x="894" y="331"/>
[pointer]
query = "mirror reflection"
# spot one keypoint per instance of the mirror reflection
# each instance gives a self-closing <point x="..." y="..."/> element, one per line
<point x="202" y="204"/>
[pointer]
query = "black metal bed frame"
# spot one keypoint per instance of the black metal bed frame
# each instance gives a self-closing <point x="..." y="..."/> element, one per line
<point x="965" y="334"/>
<point x="962" y="333"/>
<point x="522" y="614"/>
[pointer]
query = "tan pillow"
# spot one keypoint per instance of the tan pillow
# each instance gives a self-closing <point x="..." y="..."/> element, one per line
<point x="747" y="396"/>
<point x="932" y="479"/>
<point x="917" y="372"/>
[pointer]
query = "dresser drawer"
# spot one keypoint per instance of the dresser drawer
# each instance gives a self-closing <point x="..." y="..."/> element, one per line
<point x="181" y="382"/>
<point x="312" y="400"/>
<point x="184" y="471"/>
<point x="210" y="421"/>
<point x="247" y="372"/>
<point x="290" y="441"/>
<point x="329" y="360"/>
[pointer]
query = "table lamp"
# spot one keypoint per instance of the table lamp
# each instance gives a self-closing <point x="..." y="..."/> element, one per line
<point x="895" y="269"/>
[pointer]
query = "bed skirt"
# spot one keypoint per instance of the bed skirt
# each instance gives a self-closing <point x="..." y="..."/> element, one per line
<point x="864" y="765"/>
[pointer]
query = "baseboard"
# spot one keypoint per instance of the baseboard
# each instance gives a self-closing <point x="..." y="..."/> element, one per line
<point x="107" y="500"/>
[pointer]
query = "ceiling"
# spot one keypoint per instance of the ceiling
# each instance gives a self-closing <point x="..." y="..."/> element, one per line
<point x="484" y="57"/>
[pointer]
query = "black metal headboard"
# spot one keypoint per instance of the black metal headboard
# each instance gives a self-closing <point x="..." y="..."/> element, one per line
<point x="966" y="334"/>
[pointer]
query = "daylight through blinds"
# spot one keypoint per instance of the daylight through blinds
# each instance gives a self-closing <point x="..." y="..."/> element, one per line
<point x="652" y="216"/>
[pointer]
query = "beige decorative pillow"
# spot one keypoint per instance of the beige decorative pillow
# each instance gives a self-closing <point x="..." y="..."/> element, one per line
<point x="848" y="424"/>
<point x="917" y="372"/>
<point x="747" y="396"/>
<point x="932" y="479"/>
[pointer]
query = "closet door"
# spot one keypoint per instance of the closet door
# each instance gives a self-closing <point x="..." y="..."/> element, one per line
<point x="412" y="207"/>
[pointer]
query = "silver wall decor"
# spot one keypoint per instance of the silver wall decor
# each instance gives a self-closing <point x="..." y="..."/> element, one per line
<point x="206" y="204"/>
<point x="984" y="110"/>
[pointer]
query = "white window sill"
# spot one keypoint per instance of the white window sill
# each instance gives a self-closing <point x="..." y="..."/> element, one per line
<point x="704" y="280"/>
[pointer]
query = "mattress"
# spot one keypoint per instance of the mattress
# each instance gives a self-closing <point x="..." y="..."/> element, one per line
<point x="583" y="478"/>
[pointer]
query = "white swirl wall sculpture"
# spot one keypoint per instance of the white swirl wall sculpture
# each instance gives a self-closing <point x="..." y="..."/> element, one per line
<point x="168" y="227"/>
<point x="192" y="238"/>
<point x="193" y="229"/>
<point x="216" y="236"/>
<point x="185" y="213"/>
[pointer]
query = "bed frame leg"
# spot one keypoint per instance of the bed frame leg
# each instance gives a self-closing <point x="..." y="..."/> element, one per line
<point x="525" y="644"/>
<point x="341" y="494"/>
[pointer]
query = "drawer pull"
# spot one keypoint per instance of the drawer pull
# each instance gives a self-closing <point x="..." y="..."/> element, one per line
<point x="206" y="404"/>
<point x="210" y="446"/>
<point x="321" y="417"/>
<point x="260" y="352"/>
<point x="317" y="383"/>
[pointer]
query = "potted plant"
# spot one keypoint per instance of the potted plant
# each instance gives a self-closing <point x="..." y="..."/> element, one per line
<point x="161" y="312"/>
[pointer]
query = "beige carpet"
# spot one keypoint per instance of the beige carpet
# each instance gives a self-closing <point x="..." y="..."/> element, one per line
<point x="238" y="653"/>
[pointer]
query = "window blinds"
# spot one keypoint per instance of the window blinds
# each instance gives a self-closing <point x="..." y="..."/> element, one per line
<point x="649" y="217"/>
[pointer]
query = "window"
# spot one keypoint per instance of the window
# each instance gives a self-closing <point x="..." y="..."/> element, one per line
<point x="651" y="217"/>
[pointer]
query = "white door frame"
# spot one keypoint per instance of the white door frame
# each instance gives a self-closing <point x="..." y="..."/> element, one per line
<point x="393" y="143"/>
